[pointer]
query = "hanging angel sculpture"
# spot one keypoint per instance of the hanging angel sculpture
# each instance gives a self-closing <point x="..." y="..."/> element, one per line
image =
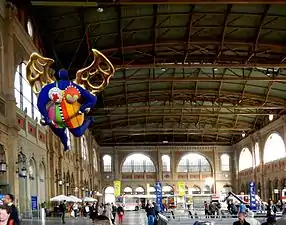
<point x="63" y="103"/>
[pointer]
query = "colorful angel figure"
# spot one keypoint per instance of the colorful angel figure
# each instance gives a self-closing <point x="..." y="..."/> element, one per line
<point x="63" y="103"/>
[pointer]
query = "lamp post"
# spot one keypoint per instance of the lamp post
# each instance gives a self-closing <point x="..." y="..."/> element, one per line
<point x="22" y="170"/>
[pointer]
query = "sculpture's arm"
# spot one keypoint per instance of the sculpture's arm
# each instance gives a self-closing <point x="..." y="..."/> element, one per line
<point x="89" y="100"/>
<point x="43" y="100"/>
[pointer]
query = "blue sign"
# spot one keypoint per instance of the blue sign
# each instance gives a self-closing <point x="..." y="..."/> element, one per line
<point x="34" y="201"/>
<point x="158" y="191"/>
<point x="252" y="193"/>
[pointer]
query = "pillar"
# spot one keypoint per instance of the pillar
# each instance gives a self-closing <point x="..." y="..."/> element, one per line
<point x="116" y="165"/>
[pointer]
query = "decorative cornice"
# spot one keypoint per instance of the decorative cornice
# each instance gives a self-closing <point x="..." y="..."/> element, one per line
<point x="168" y="148"/>
<point x="23" y="37"/>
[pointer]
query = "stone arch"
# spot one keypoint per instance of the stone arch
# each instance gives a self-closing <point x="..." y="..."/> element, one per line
<point x="127" y="190"/>
<point x="148" y="157"/>
<point x="139" y="190"/>
<point x="208" y="158"/>
<point x="202" y="156"/>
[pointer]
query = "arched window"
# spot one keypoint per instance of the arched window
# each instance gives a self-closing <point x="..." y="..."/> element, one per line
<point x="127" y="190"/>
<point x="245" y="159"/>
<point x="83" y="148"/>
<point x="107" y="163"/>
<point x="30" y="29"/>
<point x="224" y="162"/>
<point x="166" y="162"/>
<point x="95" y="165"/>
<point x="194" y="162"/>
<point x="256" y="155"/>
<point x="138" y="163"/>
<point x="26" y="100"/>
<point x="274" y="148"/>
<point x="109" y="196"/>
<point x="167" y="190"/>
<point x="139" y="190"/>
<point x="152" y="190"/>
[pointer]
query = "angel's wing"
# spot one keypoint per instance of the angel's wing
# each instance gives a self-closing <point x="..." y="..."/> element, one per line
<point x="38" y="72"/>
<point x="96" y="76"/>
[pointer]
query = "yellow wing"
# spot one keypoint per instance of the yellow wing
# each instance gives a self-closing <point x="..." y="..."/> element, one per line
<point x="38" y="72"/>
<point x="96" y="76"/>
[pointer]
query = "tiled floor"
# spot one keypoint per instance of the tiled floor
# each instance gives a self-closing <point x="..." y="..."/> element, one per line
<point x="131" y="218"/>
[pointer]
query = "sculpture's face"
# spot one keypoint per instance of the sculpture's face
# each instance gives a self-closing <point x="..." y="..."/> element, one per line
<point x="56" y="95"/>
<point x="72" y="94"/>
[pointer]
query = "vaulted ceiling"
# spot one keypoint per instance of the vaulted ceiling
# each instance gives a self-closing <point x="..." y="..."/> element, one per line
<point x="185" y="73"/>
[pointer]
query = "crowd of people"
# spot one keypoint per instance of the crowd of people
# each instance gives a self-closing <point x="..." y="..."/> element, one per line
<point x="93" y="211"/>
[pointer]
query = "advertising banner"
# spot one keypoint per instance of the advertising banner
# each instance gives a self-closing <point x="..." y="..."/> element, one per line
<point x="181" y="188"/>
<point x="158" y="189"/>
<point x="252" y="193"/>
<point x="117" y="188"/>
<point x="34" y="201"/>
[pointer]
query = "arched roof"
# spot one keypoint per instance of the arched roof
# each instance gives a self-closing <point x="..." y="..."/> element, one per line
<point x="186" y="74"/>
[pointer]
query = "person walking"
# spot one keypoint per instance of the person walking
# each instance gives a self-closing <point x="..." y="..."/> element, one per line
<point x="75" y="209"/>
<point x="108" y="211"/>
<point x="93" y="212"/>
<point x="9" y="200"/>
<point x="113" y="210"/>
<point x="150" y="211"/>
<point x="120" y="213"/>
<point x="271" y="209"/>
<point x="62" y="209"/>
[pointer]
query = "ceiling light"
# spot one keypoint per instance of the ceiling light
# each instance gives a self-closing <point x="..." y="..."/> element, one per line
<point x="215" y="69"/>
<point x="163" y="69"/>
<point x="165" y="142"/>
<point x="270" y="117"/>
<point x="243" y="134"/>
<point x="100" y="10"/>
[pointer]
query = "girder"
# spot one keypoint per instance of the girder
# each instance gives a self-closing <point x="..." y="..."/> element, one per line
<point x="190" y="73"/>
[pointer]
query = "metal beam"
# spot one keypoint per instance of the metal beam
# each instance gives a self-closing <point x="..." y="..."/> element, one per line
<point x="156" y="143"/>
<point x="189" y="33"/>
<point x="66" y="3"/>
<point x="192" y="130"/>
<point x="202" y="65"/>
<point x="203" y="79"/>
<point x="178" y="107"/>
<point x="227" y="13"/>
<point x="157" y="119"/>
<point x="226" y="96"/>
<point x="199" y="2"/>
<point x="141" y="2"/>
<point x="187" y="114"/>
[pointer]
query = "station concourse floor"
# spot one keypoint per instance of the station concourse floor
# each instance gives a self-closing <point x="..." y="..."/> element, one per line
<point x="131" y="218"/>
